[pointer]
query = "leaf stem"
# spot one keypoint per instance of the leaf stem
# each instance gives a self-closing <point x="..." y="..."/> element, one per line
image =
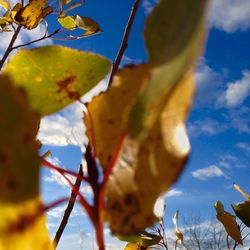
<point x="124" y="43"/>
<point x="36" y="40"/>
<point x="69" y="208"/>
<point x="10" y="47"/>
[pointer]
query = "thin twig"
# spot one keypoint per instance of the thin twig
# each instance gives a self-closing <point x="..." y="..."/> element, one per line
<point x="36" y="40"/>
<point x="10" y="47"/>
<point x="69" y="208"/>
<point x="228" y="245"/>
<point x="124" y="43"/>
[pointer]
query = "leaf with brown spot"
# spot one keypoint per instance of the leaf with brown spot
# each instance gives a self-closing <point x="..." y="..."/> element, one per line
<point x="146" y="169"/>
<point x="55" y="76"/>
<point x="109" y="110"/>
<point x="33" y="13"/>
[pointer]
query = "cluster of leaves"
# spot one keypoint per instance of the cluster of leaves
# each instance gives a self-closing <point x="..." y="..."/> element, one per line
<point x="242" y="211"/>
<point x="136" y="128"/>
<point x="32" y="14"/>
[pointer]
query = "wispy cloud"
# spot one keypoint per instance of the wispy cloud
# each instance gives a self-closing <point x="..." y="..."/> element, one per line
<point x="230" y="15"/>
<point x="174" y="193"/>
<point x="208" y="83"/>
<point x="206" y="127"/>
<point x="236" y="92"/>
<point x="208" y="172"/>
<point x="66" y="127"/>
<point x="244" y="146"/>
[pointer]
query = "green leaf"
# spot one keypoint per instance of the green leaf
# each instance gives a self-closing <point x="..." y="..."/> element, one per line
<point x="55" y="76"/>
<point x="67" y="22"/>
<point x="242" y="210"/>
<point x="174" y="37"/>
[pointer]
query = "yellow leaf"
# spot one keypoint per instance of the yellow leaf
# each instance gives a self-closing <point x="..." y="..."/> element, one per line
<point x="33" y="13"/>
<point x="14" y="11"/>
<point x="231" y="226"/>
<point x="5" y="4"/>
<point x="135" y="246"/>
<point x="22" y="225"/>
<point x="67" y="22"/>
<point x="109" y="110"/>
<point x="146" y="169"/>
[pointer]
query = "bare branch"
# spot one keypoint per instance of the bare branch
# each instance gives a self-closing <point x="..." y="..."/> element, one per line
<point x="10" y="47"/>
<point x="124" y="43"/>
<point x="69" y="208"/>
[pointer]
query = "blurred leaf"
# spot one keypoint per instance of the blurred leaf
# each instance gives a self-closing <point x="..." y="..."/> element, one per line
<point x="142" y="239"/>
<point x="242" y="210"/>
<point x="174" y="37"/>
<point x="178" y="234"/>
<point x="219" y="207"/>
<point x="243" y="193"/>
<point x="55" y="76"/>
<point x="139" y="178"/>
<point x="113" y="118"/>
<point x="63" y="2"/>
<point x="19" y="159"/>
<point x="134" y="246"/>
<point x="229" y="222"/>
<point x="5" y="4"/>
<point x="22" y="225"/>
<point x="33" y="13"/>
<point x="67" y="22"/>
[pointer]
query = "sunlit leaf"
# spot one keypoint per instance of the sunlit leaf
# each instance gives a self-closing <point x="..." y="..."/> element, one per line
<point x="14" y="11"/>
<point x="174" y="37"/>
<point x="229" y="223"/>
<point x="22" y="224"/>
<point x="109" y="110"/>
<point x="67" y="22"/>
<point x="178" y="233"/>
<point x="5" y="4"/>
<point x="242" y="192"/>
<point x="55" y="76"/>
<point x="146" y="169"/>
<point x="88" y="24"/>
<point x="242" y="210"/>
<point x="33" y="13"/>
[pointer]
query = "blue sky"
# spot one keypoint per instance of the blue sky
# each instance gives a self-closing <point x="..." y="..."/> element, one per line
<point x="218" y="126"/>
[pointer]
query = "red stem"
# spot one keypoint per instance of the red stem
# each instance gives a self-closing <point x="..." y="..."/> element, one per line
<point x="62" y="171"/>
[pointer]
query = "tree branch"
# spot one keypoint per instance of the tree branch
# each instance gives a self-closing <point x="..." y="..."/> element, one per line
<point x="10" y="48"/>
<point x="124" y="43"/>
<point x="69" y="208"/>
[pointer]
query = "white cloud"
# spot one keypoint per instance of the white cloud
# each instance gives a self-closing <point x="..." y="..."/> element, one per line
<point x="64" y="128"/>
<point x="208" y="172"/>
<point x="230" y="15"/>
<point x="174" y="192"/>
<point x="240" y="119"/>
<point x="244" y="146"/>
<point x="206" y="127"/>
<point x="236" y="92"/>
<point x="24" y="37"/>
<point x="208" y="83"/>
